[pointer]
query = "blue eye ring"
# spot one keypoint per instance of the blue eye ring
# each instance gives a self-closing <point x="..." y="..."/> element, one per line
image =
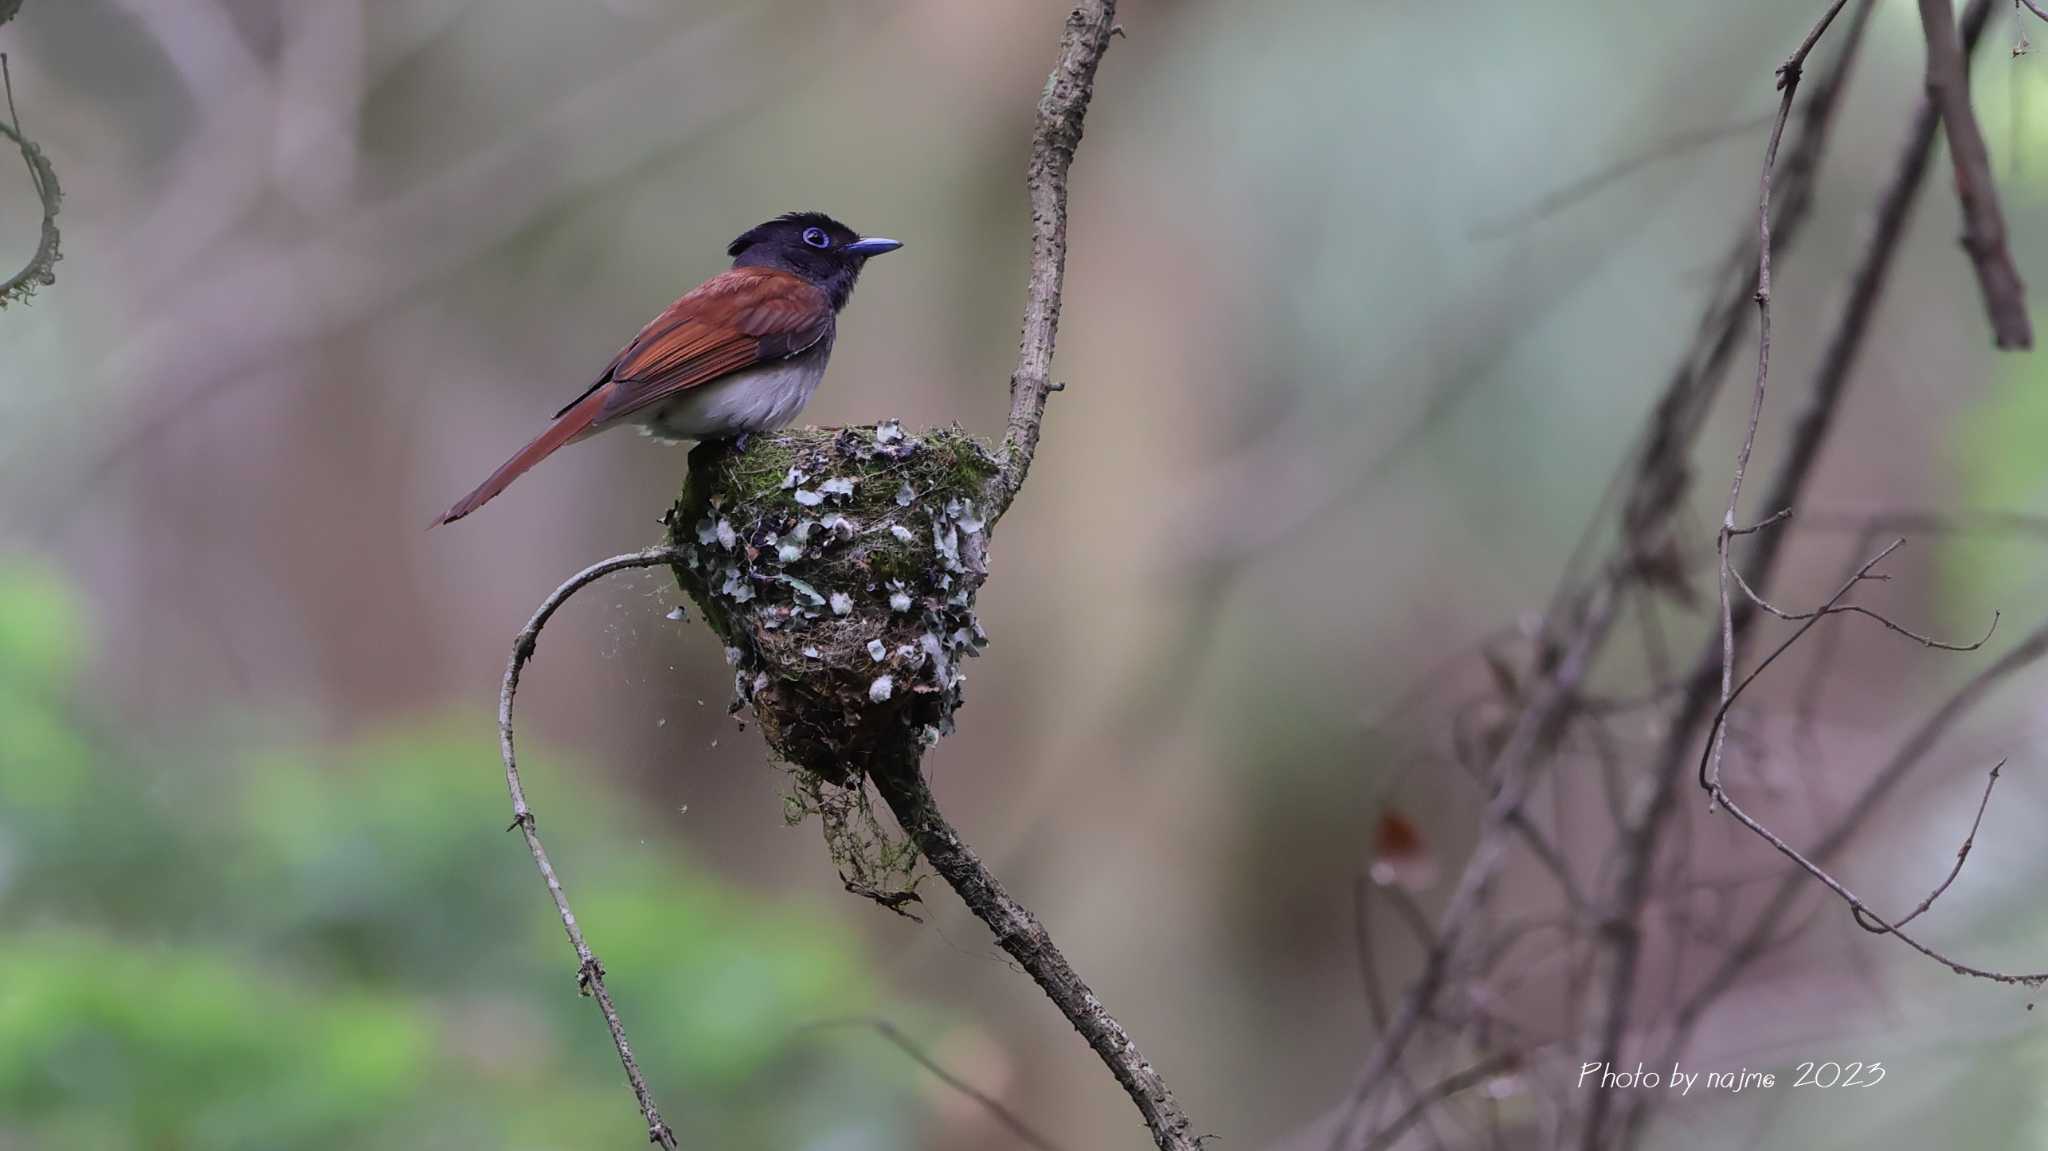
<point x="817" y="238"/>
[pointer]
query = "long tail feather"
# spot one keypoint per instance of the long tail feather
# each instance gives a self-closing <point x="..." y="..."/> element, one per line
<point x="572" y="423"/>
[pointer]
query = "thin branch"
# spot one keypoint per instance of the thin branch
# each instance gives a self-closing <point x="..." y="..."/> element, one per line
<point x="1710" y="755"/>
<point x="1061" y="111"/>
<point x="1861" y="910"/>
<point x="1552" y="203"/>
<point x="1512" y="772"/>
<point x="1018" y="932"/>
<point x="1962" y="853"/>
<point x="1368" y="959"/>
<point x="1945" y="91"/>
<point x="922" y="1058"/>
<point x="1809" y="432"/>
<point x="1858" y="609"/>
<point x="1657" y="477"/>
<point x="1948" y="87"/>
<point x="40" y="272"/>
<point x="1620" y="943"/>
<point x="1910" y="754"/>
<point x="1788" y="82"/>
<point x="589" y="972"/>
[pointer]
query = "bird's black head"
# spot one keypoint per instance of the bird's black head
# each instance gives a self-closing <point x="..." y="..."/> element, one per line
<point x="814" y="246"/>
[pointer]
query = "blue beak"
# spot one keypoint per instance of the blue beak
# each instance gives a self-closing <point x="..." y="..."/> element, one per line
<point x="872" y="246"/>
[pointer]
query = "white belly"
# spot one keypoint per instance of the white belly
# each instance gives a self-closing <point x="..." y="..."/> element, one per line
<point x="758" y="399"/>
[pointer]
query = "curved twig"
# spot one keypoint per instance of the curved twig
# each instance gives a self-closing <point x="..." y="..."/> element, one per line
<point x="41" y="270"/>
<point x="1911" y="752"/>
<point x="1962" y="853"/>
<point x="1864" y="916"/>
<point x="1888" y="622"/>
<point x="1788" y="83"/>
<point x="1060" y="113"/>
<point x="589" y="972"/>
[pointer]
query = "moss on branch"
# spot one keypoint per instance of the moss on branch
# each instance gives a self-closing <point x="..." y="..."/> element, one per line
<point x="839" y="566"/>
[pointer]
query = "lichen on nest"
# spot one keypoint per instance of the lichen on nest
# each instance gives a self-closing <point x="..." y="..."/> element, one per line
<point x="839" y="566"/>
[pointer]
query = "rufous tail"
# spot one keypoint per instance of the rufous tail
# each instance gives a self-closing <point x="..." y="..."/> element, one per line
<point x="573" y="422"/>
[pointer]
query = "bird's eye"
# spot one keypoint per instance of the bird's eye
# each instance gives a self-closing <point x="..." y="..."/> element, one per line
<point x="817" y="238"/>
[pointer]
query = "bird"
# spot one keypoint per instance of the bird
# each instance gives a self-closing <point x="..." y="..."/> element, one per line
<point x="738" y="354"/>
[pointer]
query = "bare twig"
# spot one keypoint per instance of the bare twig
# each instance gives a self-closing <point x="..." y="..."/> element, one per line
<point x="922" y="1058"/>
<point x="1910" y="754"/>
<point x="1619" y="946"/>
<point x="1788" y="82"/>
<point x="1552" y="203"/>
<point x="40" y="271"/>
<point x="1657" y="477"/>
<point x="1809" y="432"/>
<point x="1512" y="772"/>
<point x="1061" y="111"/>
<point x="1731" y="690"/>
<point x="1368" y="958"/>
<point x="1018" y="932"/>
<point x="1948" y="88"/>
<point x="589" y="972"/>
<point x="1857" y="609"/>
<point x="1864" y="916"/>
<point x="1962" y="854"/>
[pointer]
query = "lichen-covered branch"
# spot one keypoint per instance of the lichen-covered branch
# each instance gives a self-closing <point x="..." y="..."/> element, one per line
<point x="589" y="972"/>
<point x="1061" y="111"/>
<point x="840" y="565"/>
<point x="41" y="270"/>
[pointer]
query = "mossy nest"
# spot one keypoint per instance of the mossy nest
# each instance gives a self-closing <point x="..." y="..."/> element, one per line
<point x="839" y="566"/>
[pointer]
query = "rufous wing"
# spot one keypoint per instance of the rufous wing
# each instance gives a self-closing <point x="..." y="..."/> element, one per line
<point x="731" y="322"/>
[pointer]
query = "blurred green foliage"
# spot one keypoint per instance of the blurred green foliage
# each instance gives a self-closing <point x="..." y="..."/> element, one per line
<point x="314" y="949"/>
<point x="1998" y="465"/>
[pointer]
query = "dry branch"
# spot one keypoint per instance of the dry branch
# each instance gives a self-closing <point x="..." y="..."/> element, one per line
<point x="40" y="270"/>
<point x="1512" y="774"/>
<point x="1642" y="826"/>
<point x="1018" y="932"/>
<point x="1053" y="141"/>
<point x="589" y="972"/>
<point x="1948" y="88"/>
<point x="1911" y="753"/>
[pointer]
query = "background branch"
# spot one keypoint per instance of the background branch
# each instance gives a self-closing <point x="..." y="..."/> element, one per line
<point x="1948" y="88"/>
<point x="896" y="1038"/>
<point x="1619" y="945"/>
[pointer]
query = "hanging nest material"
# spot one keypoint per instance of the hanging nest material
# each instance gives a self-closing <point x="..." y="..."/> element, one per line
<point x="839" y="566"/>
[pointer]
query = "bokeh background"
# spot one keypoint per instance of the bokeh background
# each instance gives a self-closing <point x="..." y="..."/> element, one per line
<point x="1347" y="377"/>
